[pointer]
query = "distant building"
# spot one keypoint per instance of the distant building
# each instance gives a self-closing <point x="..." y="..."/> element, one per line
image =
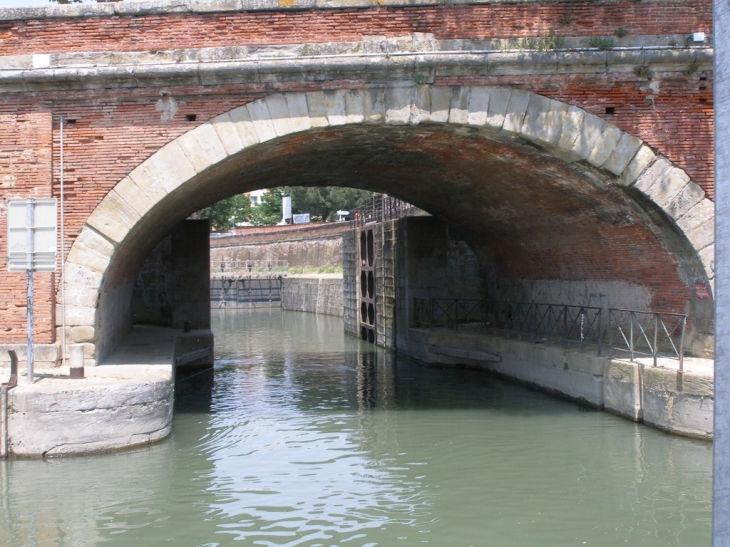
<point x="256" y="196"/>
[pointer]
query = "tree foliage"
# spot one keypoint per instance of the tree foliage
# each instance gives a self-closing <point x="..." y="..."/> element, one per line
<point x="321" y="203"/>
<point x="325" y="201"/>
<point x="228" y="212"/>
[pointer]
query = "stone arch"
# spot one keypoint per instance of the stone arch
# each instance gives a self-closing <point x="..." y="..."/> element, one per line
<point x="566" y="131"/>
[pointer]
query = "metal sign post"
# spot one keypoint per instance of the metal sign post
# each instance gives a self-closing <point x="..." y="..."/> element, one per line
<point x="32" y="247"/>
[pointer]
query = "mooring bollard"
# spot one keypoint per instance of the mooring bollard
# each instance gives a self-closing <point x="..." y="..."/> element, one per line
<point x="76" y="360"/>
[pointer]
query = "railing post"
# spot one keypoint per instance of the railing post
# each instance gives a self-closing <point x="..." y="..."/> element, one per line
<point x="599" y="336"/>
<point x="655" y="349"/>
<point x="681" y="345"/>
<point x="581" y="313"/>
<point x="610" y="335"/>
<point x="565" y="327"/>
<point x="631" y="335"/>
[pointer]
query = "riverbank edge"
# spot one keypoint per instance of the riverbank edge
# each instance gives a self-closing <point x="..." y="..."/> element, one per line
<point x="661" y="397"/>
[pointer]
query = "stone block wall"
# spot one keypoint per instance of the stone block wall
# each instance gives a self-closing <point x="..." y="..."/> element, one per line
<point x="313" y="294"/>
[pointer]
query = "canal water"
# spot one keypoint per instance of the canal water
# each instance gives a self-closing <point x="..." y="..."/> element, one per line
<point x="301" y="436"/>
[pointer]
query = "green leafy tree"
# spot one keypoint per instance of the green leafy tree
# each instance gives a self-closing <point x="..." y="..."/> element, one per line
<point x="228" y="212"/>
<point x="325" y="201"/>
<point x="268" y="212"/>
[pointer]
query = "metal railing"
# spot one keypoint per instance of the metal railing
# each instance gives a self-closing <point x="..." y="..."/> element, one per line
<point x="647" y="333"/>
<point x="450" y="312"/>
<point x="546" y="323"/>
<point x="243" y="267"/>
<point x="658" y="335"/>
<point x="383" y="207"/>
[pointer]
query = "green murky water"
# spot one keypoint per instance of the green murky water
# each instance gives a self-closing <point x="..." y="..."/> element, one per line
<point x="303" y="437"/>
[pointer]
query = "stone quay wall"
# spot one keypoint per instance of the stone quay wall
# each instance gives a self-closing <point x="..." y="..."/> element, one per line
<point x="314" y="294"/>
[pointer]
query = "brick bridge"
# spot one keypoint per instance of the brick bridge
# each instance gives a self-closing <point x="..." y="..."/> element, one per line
<point x="570" y="142"/>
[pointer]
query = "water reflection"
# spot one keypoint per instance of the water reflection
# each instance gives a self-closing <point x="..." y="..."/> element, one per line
<point x="303" y="437"/>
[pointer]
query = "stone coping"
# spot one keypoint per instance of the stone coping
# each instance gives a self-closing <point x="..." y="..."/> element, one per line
<point x="165" y="7"/>
<point x="422" y="67"/>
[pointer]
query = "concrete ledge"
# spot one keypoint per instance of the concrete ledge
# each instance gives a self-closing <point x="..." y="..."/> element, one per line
<point x="660" y="396"/>
<point x="193" y="349"/>
<point x="112" y="408"/>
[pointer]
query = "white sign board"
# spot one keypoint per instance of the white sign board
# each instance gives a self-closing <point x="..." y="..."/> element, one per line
<point x="32" y="239"/>
<point x="301" y="219"/>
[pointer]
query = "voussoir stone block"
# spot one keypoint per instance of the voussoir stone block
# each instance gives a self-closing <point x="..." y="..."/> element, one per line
<point x="241" y="120"/>
<point x="459" y="107"/>
<point x="570" y="131"/>
<point x="80" y="254"/>
<point x="148" y="182"/>
<point x="641" y="161"/>
<point x="534" y="123"/>
<point x="373" y="105"/>
<point x="91" y="239"/>
<point x="226" y="131"/>
<point x="354" y="106"/>
<point x="398" y="105"/>
<point x="517" y="108"/>
<point x="421" y="106"/>
<point x="589" y="132"/>
<point x="478" y="106"/>
<point x="172" y="166"/>
<point x="134" y="196"/>
<point x="622" y="154"/>
<point x="299" y="112"/>
<point x="261" y="120"/>
<point x="653" y="174"/>
<point x="698" y="224"/>
<point x="687" y="198"/>
<point x="605" y="145"/>
<point x="497" y="108"/>
<point x="671" y="185"/>
<point x="440" y="104"/>
<point x="334" y="100"/>
<point x="113" y="217"/>
<point x="317" y="106"/>
<point x="205" y="146"/>
<point x="707" y="257"/>
<point x="279" y="112"/>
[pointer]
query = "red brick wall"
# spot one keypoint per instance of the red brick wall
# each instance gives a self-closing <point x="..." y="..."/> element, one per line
<point x="25" y="171"/>
<point x="133" y="33"/>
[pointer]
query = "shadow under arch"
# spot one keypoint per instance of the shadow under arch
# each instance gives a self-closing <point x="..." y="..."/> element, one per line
<point x="428" y="145"/>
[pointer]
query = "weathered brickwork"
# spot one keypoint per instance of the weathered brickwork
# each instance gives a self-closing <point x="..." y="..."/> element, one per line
<point x="25" y="169"/>
<point x="125" y="33"/>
